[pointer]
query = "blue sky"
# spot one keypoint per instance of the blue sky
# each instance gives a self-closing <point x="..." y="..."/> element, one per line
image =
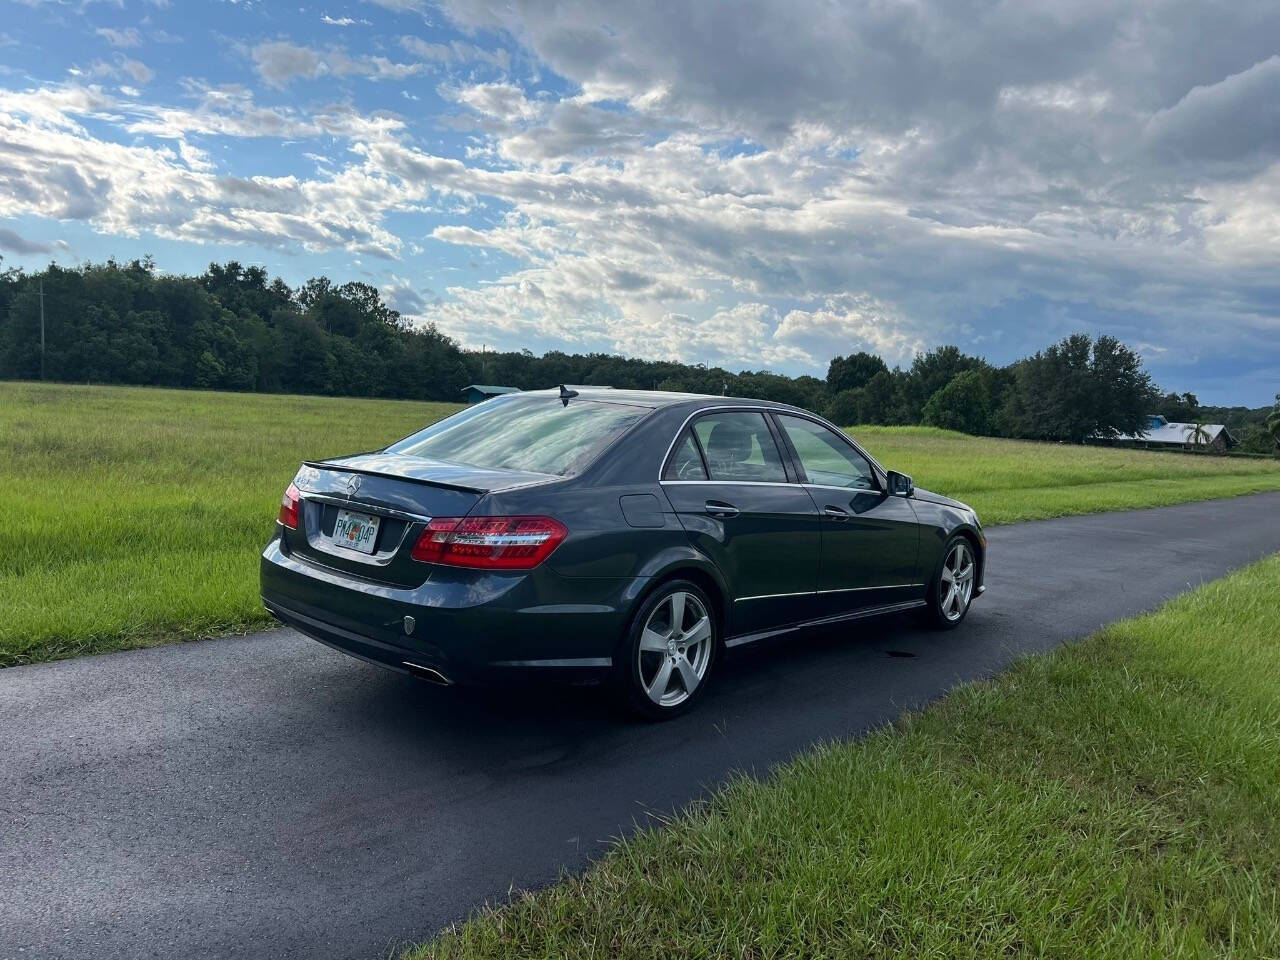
<point x="754" y="184"/>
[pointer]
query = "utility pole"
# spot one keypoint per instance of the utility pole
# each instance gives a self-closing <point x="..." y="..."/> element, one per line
<point x="42" y="328"/>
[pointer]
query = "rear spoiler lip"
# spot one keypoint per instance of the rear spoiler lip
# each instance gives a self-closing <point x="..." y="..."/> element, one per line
<point x="327" y="465"/>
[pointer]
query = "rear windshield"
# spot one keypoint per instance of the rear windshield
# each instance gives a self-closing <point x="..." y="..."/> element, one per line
<point x="538" y="434"/>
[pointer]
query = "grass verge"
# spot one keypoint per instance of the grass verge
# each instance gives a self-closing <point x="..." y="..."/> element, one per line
<point x="1117" y="798"/>
<point x="134" y="516"/>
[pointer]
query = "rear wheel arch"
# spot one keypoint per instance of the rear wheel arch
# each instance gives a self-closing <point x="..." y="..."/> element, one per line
<point x="696" y="575"/>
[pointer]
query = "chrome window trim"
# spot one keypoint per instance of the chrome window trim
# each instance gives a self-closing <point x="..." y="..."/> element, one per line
<point x="724" y="408"/>
<point x="732" y="483"/>
<point x="825" y="486"/>
<point x="877" y="470"/>
<point x="764" y="410"/>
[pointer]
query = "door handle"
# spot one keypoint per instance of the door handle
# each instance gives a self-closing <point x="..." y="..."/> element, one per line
<point x="718" y="508"/>
<point x="835" y="513"/>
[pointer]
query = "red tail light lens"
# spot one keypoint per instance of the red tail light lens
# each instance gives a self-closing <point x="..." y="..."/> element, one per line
<point x="489" y="543"/>
<point x="289" y="508"/>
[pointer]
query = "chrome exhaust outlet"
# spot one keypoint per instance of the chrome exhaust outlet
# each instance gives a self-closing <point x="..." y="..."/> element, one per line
<point x="430" y="674"/>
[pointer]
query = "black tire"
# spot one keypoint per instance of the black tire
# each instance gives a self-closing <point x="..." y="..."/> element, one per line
<point x="638" y="667"/>
<point x="946" y="610"/>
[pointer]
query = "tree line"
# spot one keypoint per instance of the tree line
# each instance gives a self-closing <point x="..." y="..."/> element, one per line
<point x="235" y="328"/>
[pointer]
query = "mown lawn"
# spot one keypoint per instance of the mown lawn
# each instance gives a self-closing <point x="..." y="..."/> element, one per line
<point x="1011" y="480"/>
<point x="134" y="516"/>
<point x="1118" y="798"/>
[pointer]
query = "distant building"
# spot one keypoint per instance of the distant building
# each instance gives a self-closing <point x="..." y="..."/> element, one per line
<point x="1160" y="433"/>
<point x="476" y="392"/>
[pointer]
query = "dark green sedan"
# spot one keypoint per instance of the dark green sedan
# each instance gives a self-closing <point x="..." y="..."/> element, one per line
<point x="609" y="534"/>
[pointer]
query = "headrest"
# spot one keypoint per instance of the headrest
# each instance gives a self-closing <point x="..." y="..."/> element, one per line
<point x="729" y="443"/>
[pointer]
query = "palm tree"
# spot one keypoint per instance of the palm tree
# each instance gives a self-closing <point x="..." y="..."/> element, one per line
<point x="1197" y="434"/>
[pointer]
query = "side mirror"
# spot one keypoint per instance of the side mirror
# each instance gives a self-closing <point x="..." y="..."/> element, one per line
<point x="900" y="484"/>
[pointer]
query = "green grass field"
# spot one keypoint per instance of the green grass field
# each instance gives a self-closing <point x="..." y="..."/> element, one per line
<point x="1118" y="798"/>
<point x="1011" y="480"/>
<point x="135" y="516"/>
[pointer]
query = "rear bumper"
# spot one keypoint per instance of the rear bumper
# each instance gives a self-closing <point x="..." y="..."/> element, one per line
<point x="466" y="626"/>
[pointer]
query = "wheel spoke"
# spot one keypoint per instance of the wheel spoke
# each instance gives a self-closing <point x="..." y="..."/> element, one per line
<point x="948" y="575"/>
<point x="653" y="641"/>
<point x="661" y="680"/>
<point x="677" y="612"/>
<point x="950" y="598"/>
<point x="687" y="674"/>
<point x="698" y="632"/>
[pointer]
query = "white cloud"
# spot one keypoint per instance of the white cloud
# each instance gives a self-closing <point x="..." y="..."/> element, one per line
<point x="760" y="184"/>
<point x="281" y="62"/>
<point x="126" y="37"/>
<point x="502" y="101"/>
<point x="343" y="21"/>
<point x="141" y="73"/>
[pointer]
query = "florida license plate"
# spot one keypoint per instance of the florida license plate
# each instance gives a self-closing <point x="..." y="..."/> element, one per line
<point x="355" y="531"/>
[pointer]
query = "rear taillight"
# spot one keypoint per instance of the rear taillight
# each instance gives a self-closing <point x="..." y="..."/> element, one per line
<point x="289" y="508"/>
<point x="489" y="543"/>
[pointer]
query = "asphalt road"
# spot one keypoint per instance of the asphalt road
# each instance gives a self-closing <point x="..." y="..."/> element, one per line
<point x="266" y="796"/>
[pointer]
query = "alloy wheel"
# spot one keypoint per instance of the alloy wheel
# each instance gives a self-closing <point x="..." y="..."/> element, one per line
<point x="955" y="587"/>
<point x="675" y="649"/>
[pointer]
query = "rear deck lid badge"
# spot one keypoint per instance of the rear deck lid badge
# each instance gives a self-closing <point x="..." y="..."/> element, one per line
<point x="353" y="484"/>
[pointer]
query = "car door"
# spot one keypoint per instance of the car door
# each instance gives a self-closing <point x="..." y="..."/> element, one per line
<point x="730" y="485"/>
<point x="870" y="539"/>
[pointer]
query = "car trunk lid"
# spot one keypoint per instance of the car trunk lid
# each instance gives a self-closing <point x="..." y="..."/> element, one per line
<point x="402" y="493"/>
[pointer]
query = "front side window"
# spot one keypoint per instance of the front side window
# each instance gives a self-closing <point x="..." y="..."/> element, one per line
<point x="739" y="447"/>
<point x="827" y="459"/>
<point x="514" y="432"/>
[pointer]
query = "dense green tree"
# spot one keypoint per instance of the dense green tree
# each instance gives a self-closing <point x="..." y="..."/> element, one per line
<point x="884" y="399"/>
<point x="845" y="408"/>
<point x="1078" y="389"/>
<point x="235" y="328"/>
<point x="853" y="371"/>
<point x="964" y="404"/>
<point x="929" y="373"/>
<point x="1178" y="407"/>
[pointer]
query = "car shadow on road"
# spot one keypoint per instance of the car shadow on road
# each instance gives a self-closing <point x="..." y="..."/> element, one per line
<point x="847" y="680"/>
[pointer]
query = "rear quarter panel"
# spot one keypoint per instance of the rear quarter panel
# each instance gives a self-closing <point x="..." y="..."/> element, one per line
<point x="609" y="534"/>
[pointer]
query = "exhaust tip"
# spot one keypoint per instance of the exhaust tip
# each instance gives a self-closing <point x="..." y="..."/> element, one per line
<point x="430" y="674"/>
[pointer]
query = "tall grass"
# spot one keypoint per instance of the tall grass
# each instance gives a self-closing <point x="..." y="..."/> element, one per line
<point x="132" y="516"/>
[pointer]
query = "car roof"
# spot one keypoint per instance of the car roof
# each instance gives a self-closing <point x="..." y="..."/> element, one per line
<point x="659" y="398"/>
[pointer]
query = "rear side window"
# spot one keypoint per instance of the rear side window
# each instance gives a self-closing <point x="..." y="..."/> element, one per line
<point x="827" y="460"/>
<point x="686" y="461"/>
<point x="538" y="434"/>
<point x="738" y="446"/>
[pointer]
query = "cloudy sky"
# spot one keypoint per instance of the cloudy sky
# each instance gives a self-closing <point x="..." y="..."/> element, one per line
<point x="753" y="184"/>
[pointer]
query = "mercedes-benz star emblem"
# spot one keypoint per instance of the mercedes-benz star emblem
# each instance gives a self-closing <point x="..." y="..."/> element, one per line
<point x="353" y="484"/>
